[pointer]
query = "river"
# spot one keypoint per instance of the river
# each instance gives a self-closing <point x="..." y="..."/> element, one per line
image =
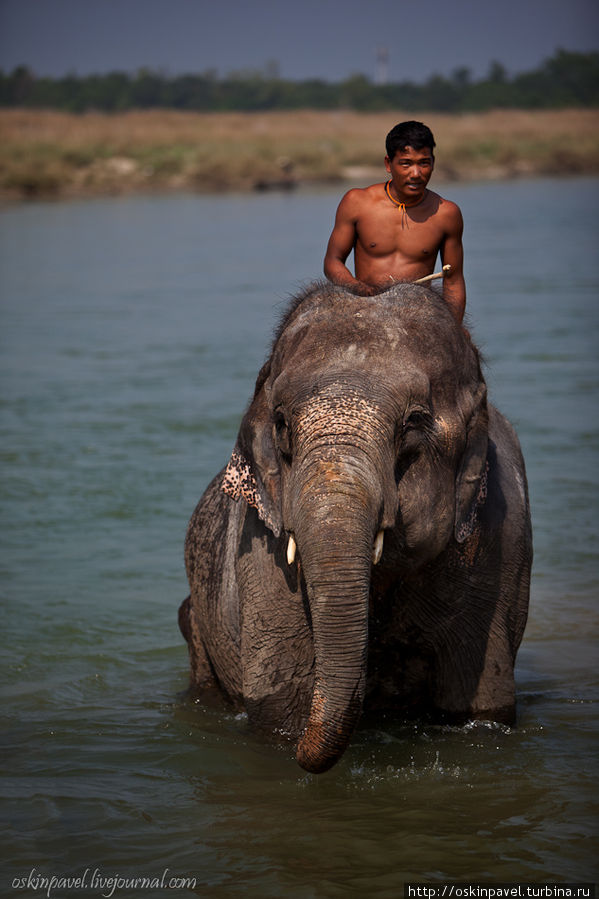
<point x="132" y="332"/>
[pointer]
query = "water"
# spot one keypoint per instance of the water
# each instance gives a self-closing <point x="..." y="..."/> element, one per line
<point x="132" y="332"/>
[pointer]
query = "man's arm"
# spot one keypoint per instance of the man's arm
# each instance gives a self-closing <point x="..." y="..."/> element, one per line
<point x="341" y="243"/>
<point x="452" y="253"/>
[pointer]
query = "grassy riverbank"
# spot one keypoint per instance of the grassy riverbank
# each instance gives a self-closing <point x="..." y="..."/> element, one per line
<point x="53" y="154"/>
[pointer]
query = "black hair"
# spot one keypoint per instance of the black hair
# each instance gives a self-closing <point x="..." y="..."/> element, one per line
<point x="409" y="134"/>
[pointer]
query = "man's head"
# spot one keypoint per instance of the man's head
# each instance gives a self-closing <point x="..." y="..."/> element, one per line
<point x="409" y="134"/>
<point x="410" y="160"/>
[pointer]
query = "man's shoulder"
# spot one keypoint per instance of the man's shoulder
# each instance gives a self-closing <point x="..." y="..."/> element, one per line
<point x="447" y="207"/>
<point x="361" y="196"/>
<point x="447" y="210"/>
<point x="371" y="190"/>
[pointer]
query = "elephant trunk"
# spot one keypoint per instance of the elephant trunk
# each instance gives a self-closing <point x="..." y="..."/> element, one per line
<point x="335" y="547"/>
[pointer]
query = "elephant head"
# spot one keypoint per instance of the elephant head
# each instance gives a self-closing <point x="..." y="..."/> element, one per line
<point x="365" y="443"/>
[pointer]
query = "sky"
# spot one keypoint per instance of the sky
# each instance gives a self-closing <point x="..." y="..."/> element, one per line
<point x="327" y="39"/>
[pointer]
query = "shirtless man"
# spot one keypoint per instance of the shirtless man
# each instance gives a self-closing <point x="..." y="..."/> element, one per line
<point x="397" y="229"/>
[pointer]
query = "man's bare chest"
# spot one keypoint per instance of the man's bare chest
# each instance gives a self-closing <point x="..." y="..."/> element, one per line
<point x="408" y="234"/>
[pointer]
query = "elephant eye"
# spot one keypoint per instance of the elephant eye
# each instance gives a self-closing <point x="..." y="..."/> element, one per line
<point x="282" y="434"/>
<point x="416" y="419"/>
<point x="414" y="435"/>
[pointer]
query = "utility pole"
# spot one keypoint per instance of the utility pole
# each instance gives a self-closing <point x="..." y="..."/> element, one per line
<point x="382" y="65"/>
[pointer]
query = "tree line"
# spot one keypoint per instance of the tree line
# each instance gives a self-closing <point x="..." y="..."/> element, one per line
<point x="566" y="79"/>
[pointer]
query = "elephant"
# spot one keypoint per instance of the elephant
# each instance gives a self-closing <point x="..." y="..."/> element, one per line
<point x="368" y="546"/>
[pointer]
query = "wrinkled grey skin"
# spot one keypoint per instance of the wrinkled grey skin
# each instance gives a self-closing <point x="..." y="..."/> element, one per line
<point x="371" y="414"/>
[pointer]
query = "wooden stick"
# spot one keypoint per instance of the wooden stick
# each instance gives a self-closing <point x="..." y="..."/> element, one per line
<point x="444" y="271"/>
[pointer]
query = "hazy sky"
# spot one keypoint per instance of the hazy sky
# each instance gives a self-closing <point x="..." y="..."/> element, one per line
<point x="327" y="39"/>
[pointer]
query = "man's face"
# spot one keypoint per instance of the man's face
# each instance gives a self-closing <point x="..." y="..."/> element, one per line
<point x="411" y="170"/>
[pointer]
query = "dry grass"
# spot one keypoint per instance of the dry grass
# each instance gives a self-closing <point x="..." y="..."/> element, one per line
<point x="55" y="153"/>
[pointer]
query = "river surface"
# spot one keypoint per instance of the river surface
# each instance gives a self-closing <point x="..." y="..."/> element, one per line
<point x="131" y="334"/>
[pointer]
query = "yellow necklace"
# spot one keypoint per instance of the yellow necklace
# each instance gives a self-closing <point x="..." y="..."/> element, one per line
<point x="395" y="202"/>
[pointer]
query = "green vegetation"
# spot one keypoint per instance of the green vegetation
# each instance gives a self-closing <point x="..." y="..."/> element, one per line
<point x="60" y="154"/>
<point x="565" y="80"/>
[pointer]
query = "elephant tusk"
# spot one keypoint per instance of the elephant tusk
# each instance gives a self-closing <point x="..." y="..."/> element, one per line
<point x="377" y="550"/>
<point x="291" y="548"/>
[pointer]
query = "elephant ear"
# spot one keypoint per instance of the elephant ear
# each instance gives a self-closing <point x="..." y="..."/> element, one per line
<point x="471" y="484"/>
<point x="253" y="470"/>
